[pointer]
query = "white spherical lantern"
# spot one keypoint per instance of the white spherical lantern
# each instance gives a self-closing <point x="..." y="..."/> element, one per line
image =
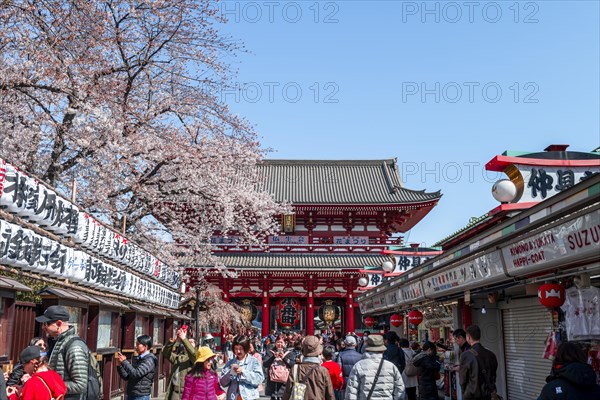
<point x="504" y="191"/>
<point x="363" y="281"/>
<point x="388" y="266"/>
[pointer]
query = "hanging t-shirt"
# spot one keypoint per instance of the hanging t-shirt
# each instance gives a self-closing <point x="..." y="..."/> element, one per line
<point x="582" y="313"/>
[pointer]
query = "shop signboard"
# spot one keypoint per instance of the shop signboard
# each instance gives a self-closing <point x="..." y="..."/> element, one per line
<point x="22" y="248"/>
<point x="568" y="242"/>
<point x="412" y="292"/>
<point x="26" y="197"/>
<point x="485" y="269"/>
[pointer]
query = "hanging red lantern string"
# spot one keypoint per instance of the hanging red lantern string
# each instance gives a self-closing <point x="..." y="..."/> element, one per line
<point x="415" y="317"/>
<point x="396" y="320"/>
<point x="369" y="321"/>
<point x="551" y="295"/>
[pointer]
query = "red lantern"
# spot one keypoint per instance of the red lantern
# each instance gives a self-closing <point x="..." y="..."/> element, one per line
<point x="396" y="320"/>
<point x="369" y="321"/>
<point x="551" y="295"/>
<point x="415" y="317"/>
<point x="288" y="313"/>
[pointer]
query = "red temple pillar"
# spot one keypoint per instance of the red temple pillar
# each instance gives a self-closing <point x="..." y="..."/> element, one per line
<point x="266" y="313"/>
<point x="349" y="313"/>
<point x="310" y="314"/>
<point x="225" y="286"/>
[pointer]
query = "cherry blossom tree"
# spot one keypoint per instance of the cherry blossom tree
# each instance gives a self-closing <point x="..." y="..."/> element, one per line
<point x="123" y="97"/>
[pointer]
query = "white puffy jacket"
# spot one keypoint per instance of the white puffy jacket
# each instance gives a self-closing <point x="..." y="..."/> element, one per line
<point x="390" y="385"/>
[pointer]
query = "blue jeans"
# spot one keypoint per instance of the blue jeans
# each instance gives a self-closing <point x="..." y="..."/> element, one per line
<point x="147" y="397"/>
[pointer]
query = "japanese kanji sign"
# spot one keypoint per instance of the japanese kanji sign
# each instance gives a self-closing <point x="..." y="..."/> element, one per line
<point x="288" y="312"/>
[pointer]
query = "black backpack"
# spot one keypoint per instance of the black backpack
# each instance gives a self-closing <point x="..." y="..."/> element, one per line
<point x="94" y="387"/>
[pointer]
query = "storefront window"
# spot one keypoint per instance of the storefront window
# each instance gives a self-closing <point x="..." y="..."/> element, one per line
<point x="104" y="330"/>
<point x="75" y="319"/>
<point x="139" y="327"/>
<point x="157" y="337"/>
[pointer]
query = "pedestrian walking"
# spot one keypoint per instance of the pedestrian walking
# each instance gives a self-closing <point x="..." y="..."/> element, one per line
<point x="42" y="383"/>
<point x="202" y="382"/>
<point x="373" y="377"/>
<point x="363" y="343"/>
<point x="310" y="373"/>
<point x="69" y="355"/>
<point x="429" y="371"/>
<point x="335" y="371"/>
<point x="571" y="377"/>
<point x="139" y="373"/>
<point x="180" y="352"/>
<point x="278" y="364"/>
<point x="393" y="353"/>
<point x="347" y="358"/>
<point x="478" y="367"/>
<point x="242" y="374"/>
<point x="409" y="375"/>
<point x="14" y="378"/>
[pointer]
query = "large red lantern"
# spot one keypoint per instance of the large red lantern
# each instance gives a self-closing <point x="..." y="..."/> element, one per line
<point x="396" y="320"/>
<point x="415" y="317"/>
<point x="551" y="295"/>
<point x="288" y="313"/>
<point x="369" y="321"/>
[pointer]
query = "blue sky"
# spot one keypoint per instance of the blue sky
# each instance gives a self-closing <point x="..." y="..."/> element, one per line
<point x="441" y="86"/>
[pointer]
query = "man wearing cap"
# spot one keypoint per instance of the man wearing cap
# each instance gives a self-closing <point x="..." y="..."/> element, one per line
<point x="374" y="377"/>
<point x="69" y="355"/>
<point x="347" y="358"/>
<point x="310" y="372"/>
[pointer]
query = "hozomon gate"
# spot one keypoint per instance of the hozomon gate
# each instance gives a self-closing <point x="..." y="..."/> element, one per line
<point x="345" y="213"/>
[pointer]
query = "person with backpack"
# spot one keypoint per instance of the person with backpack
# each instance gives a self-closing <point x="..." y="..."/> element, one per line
<point x="69" y="355"/>
<point x="429" y="371"/>
<point x="393" y="352"/>
<point x="242" y="374"/>
<point x="181" y="354"/>
<point x="43" y="383"/>
<point x="139" y="373"/>
<point x="477" y="369"/>
<point x="278" y="364"/>
<point x="308" y="379"/>
<point x="202" y="382"/>
<point x="409" y="375"/>
<point x="373" y="377"/>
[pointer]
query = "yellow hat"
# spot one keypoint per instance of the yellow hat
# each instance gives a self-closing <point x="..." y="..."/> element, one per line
<point x="204" y="354"/>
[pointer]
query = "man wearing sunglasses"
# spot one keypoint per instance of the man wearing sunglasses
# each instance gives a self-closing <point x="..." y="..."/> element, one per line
<point x="68" y="355"/>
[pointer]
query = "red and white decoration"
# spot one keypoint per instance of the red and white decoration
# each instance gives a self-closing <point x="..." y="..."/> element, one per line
<point x="396" y="320"/>
<point x="415" y="317"/>
<point x="369" y="322"/>
<point x="551" y="295"/>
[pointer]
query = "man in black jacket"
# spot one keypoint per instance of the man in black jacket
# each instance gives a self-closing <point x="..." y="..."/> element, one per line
<point x="139" y="374"/>
<point x="477" y="370"/>
<point x="393" y="352"/>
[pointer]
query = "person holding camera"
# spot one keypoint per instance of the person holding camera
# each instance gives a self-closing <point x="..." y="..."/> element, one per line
<point x="181" y="354"/>
<point x="139" y="373"/>
<point x="242" y="374"/>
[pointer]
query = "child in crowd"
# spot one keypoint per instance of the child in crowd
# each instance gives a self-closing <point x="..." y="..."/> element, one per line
<point x="202" y="382"/>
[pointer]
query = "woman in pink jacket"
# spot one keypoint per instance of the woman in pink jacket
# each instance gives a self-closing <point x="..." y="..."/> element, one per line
<point x="202" y="382"/>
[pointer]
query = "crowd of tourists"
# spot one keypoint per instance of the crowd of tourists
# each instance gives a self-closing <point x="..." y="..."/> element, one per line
<point x="283" y="366"/>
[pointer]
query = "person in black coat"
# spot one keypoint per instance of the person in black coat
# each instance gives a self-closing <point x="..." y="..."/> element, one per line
<point x="394" y="354"/>
<point x="571" y="377"/>
<point x="429" y="369"/>
<point x="139" y="374"/>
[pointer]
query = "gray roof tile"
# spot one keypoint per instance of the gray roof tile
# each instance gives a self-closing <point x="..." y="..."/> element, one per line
<point x="265" y="261"/>
<point x="338" y="182"/>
